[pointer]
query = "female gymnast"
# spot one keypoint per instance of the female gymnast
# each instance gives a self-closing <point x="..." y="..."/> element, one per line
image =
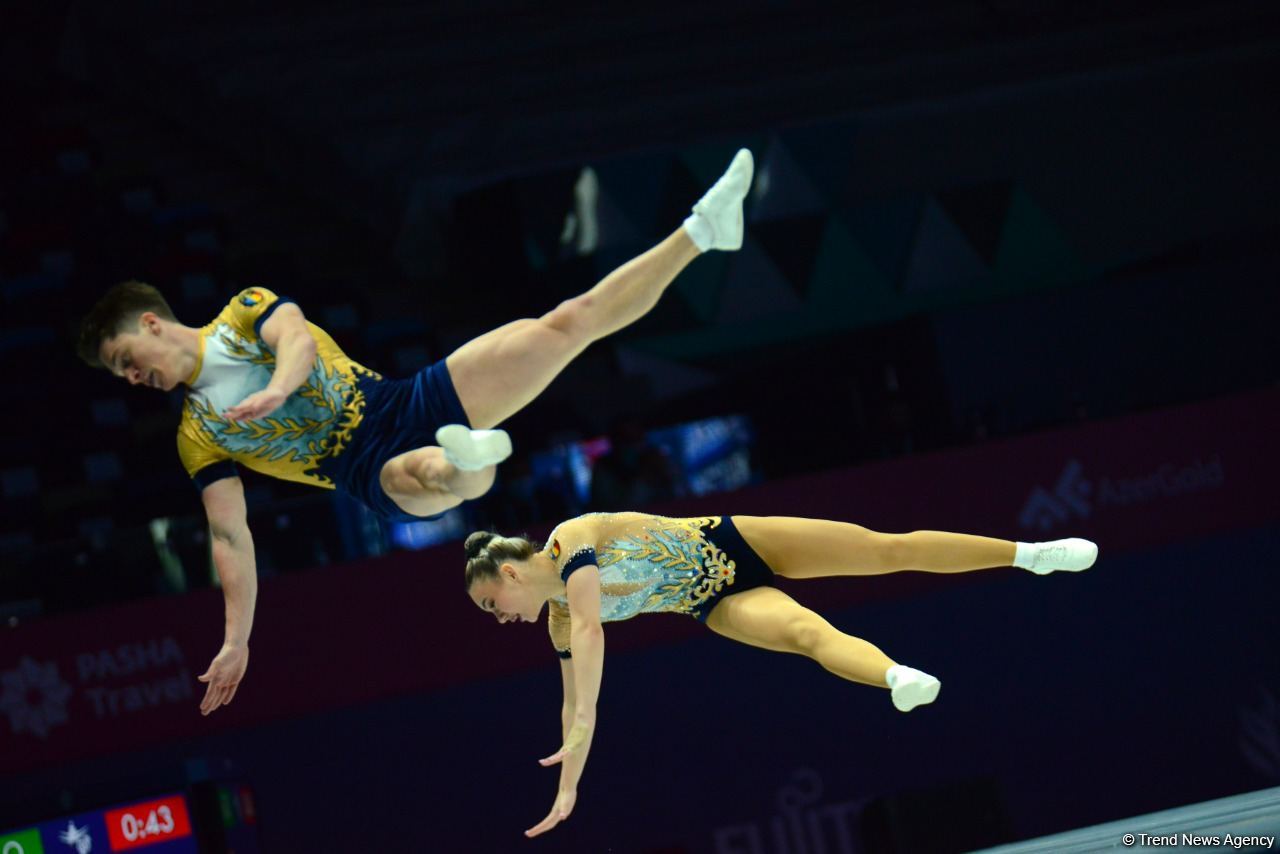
<point x="611" y="566"/>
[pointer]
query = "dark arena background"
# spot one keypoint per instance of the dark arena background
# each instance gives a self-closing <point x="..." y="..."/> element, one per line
<point x="1009" y="269"/>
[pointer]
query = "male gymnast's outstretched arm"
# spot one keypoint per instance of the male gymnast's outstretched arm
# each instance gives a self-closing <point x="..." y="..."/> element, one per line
<point x="234" y="560"/>
<point x="286" y="333"/>
<point x="582" y="686"/>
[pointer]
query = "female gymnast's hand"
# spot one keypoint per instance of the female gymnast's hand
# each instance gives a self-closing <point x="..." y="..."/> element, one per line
<point x="574" y="756"/>
<point x="260" y="404"/>
<point x="578" y="743"/>
<point x="559" y="812"/>
<point x="224" y="675"/>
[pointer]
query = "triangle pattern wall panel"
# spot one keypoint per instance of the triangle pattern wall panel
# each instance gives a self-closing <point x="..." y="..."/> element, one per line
<point x="701" y="283"/>
<point x="886" y="229"/>
<point x="792" y="245"/>
<point x="942" y="257"/>
<point x="846" y="287"/>
<point x="755" y="289"/>
<point x="1034" y="252"/>
<point x="615" y="223"/>
<point x="979" y="210"/>
<point x="638" y="187"/>
<point x="782" y="189"/>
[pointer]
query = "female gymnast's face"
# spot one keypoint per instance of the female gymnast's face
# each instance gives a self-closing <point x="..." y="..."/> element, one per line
<point x="143" y="357"/>
<point x="510" y="598"/>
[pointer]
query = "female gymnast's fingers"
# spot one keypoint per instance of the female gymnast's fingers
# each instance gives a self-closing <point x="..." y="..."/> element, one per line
<point x="563" y="806"/>
<point x="554" y="758"/>
<point x="552" y="819"/>
<point x="578" y="736"/>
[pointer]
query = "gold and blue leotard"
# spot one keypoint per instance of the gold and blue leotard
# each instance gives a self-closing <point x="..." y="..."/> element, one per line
<point x="651" y="564"/>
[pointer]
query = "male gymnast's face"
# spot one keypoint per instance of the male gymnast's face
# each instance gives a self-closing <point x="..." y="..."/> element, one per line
<point x="509" y="597"/>
<point x="143" y="357"/>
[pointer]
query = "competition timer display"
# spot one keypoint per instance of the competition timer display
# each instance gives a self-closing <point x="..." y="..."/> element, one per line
<point x="158" y="826"/>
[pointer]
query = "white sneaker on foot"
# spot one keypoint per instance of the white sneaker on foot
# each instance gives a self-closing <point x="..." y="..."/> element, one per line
<point x="1070" y="555"/>
<point x="909" y="687"/>
<point x="473" y="450"/>
<point x="716" y="222"/>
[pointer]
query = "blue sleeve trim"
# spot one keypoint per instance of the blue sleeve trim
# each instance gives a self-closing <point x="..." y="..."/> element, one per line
<point x="262" y="318"/>
<point x="566" y="654"/>
<point x="582" y="557"/>
<point x="213" y="473"/>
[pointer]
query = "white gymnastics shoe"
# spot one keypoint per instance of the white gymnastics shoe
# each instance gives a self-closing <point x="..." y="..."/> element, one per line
<point x="716" y="221"/>
<point x="473" y="450"/>
<point x="1070" y="555"/>
<point x="910" y="687"/>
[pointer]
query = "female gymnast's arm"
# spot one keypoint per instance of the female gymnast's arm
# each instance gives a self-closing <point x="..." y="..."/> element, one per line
<point x="570" y="705"/>
<point x="587" y="664"/>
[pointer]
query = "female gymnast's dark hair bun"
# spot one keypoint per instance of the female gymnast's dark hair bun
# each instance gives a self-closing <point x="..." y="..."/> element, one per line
<point x="476" y="543"/>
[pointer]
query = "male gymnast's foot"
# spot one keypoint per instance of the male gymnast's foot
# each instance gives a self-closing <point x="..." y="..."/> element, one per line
<point x="473" y="450"/>
<point x="910" y="687"/>
<point x="716" y="221"/>
<point x="1070" y="555"/>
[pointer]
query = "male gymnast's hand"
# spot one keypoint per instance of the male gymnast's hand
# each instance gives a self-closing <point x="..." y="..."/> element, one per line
<point x="224" y="675"/>
<point x="260" y="404"/>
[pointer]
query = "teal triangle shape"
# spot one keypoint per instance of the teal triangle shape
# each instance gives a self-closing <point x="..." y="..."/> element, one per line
<point x="886" y="229"/>
<point x="682" y="190"/>
<point x="792" y="244"/>
<point x="782" y="189"/>
<point x="700" y="284"/>
<point x="941" y="257"/>
<point x="615" y="226"/>
<point x="846" y="287"/>
<point x="1033" y="251"/>
<point x="754" y="288"/>
<point x="980" y="211"/>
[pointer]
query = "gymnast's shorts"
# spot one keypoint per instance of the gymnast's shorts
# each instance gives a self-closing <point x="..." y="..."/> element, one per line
<point x="750" y="571"/>
<point x="399" y="415"/>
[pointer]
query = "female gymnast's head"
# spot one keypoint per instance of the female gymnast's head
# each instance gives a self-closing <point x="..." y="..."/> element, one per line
<point x="509" y="577"/>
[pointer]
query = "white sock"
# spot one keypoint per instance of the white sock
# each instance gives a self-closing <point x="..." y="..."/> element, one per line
<point x="1025" y="554"/>
<point x="699" y="231"/>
